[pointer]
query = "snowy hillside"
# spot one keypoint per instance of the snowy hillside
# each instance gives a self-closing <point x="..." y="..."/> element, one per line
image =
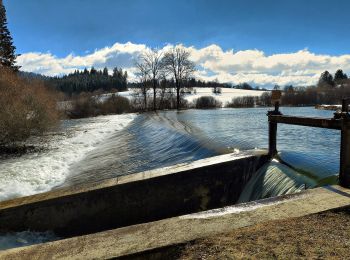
<point x="225" y="97"/>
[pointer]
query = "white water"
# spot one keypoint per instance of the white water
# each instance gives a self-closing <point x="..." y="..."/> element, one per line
<point x="236" y="209"/>
<point x="274" y="179"/>
<point x="40" y="172"/>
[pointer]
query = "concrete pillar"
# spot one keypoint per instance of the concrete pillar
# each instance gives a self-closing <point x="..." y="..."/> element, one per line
<point x="273" y="129"/>
<point x="272" y="139"/>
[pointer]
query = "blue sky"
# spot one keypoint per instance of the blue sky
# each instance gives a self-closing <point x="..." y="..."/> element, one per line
<point x="80" y="27"/>
<point x="273" y="26"/>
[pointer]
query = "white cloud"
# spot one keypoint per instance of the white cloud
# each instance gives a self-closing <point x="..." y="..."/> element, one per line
<point x="252" y="66"/>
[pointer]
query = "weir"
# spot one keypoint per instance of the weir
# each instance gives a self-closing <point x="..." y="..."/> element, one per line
<point x="136" y="213"/>
<point x="132" y="199"/>
<point x="340" y="121"/>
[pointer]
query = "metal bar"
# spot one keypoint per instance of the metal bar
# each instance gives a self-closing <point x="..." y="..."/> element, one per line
<point x="307" y="121"/>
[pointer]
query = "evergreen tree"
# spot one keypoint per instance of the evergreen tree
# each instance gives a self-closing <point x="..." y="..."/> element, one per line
<point x="339" y="75"/>
<point x="115" y="72"/>
<point x="326" y="79"/>
<point x="93" y="71"/>
<point x="7" y="49"/>
<point x="105" y="71"/>
<point x="85" y="81"/>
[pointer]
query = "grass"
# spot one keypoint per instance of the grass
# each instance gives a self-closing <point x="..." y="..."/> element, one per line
<point x="319" y="236"/>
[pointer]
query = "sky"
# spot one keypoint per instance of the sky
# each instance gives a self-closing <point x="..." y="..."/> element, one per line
<point x="262" y="42"/>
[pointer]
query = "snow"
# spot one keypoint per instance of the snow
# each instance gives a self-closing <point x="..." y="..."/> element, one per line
<point x="225" y="97"/>
<point x="40" y="172"/>
<point x="328" y="107"/>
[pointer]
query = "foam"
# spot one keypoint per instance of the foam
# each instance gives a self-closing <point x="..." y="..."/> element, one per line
<point x="239" y="208"/>
<point x="40" y="172"/>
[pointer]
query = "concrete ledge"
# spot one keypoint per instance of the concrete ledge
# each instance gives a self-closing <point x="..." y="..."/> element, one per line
<point x="132" y="199"/>
<point x="136" y="239"/>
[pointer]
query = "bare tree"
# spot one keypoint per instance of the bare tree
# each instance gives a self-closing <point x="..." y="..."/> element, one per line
<point x="151" y="60"/>
<point x="143" y="74"/>
<point x="176" y="62"/>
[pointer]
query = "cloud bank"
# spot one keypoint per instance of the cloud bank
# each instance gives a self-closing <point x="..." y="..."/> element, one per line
<point x="300" y="68"/>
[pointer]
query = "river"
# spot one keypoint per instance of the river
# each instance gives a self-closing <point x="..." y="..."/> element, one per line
<point x="94" y="149"/>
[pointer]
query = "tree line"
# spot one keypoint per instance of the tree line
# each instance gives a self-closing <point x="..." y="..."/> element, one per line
<point x="330" y="89"/>
<point x="90" y="81"/>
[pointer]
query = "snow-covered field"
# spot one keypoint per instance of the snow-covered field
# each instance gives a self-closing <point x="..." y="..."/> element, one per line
<point x="226" y="96"/>
<point x="328" y="107"/>
<point x="40" y="172"/>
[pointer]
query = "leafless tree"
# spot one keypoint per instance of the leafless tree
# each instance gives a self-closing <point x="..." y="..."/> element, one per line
<point x="151" y="60"/>
<point x="177" y="64"/>
<point x="143" y="74"/>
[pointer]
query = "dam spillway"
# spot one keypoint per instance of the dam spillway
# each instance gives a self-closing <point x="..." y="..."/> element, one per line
<point x="229" y="190"/>
<point x="132" y="199"/>
<point x="94" y="149"/>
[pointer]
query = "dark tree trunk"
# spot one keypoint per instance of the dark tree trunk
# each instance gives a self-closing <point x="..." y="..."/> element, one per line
<point x="177" y="98"/>
<point x="154" y="95"/>
<point x="145" y="100"/>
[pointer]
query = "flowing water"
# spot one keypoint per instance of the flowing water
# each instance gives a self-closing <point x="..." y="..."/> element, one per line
<point x="90" y="150"/>
<point x="167" y="138"/>
<point x="308" y="156"/>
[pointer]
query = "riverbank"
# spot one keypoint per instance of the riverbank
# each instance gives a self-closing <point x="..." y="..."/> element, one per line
<point x="322" y="236"/>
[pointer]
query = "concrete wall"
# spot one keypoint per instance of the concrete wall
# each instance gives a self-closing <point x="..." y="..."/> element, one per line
<point x="172" y="191"/>
<point x="160" y="239"/>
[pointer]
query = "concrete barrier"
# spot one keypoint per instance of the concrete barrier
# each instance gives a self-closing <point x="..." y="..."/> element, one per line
<point x="137" y="198"/>
<point x="159" y="239"/>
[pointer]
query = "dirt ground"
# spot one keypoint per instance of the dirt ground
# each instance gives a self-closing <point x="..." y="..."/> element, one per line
<point x="320" y="236"/>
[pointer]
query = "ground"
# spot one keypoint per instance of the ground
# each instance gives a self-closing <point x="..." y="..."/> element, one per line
<point x="319" y="236"/>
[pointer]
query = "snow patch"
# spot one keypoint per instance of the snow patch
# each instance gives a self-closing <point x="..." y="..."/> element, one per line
<point x="226" y="96"/>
